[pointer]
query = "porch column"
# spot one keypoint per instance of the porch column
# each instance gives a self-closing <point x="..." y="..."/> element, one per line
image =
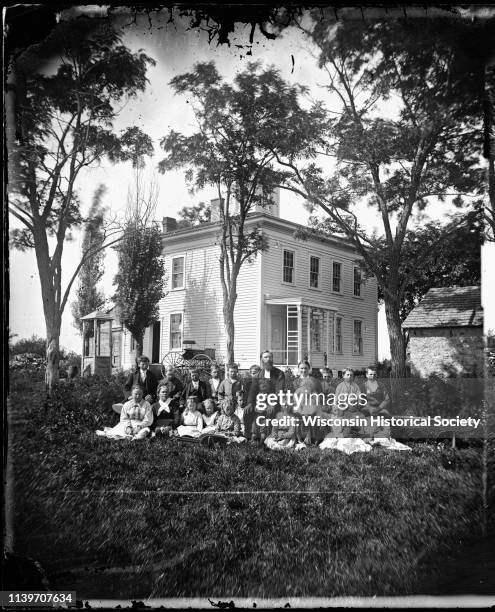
<point x="299" y="333"/>
<point x="327" y="317"/>
<point x="84" y="328"/>
<point x="309" y="334"/>
<point x="110" y="341"/>
<point x="95" y="333"/>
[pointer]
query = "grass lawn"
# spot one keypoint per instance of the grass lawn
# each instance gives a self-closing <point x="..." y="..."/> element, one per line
<point x="233" y="522"/>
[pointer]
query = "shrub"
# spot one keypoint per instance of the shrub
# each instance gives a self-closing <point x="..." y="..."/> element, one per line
<point x="27" y="361"/>
<point x="77" y="406"/>
<point x="35" y="345"/>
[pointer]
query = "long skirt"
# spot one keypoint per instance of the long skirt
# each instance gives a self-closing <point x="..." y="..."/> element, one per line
<point x="122" y="431"/>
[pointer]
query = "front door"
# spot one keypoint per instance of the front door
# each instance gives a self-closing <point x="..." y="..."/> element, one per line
<point x="155" y="347"/>
<point x="278" y="338"/>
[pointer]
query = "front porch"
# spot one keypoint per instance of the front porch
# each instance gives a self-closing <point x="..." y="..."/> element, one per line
<point x="297" y="330"/>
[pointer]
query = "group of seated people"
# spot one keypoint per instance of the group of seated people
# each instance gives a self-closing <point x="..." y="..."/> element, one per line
<point x="232" y="409"/>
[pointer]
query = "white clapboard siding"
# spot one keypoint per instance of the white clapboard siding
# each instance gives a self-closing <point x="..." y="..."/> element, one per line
<point x="345" y="304"/>
<point x="201" y="300"/>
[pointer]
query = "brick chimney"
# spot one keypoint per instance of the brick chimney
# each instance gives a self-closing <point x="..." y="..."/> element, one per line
<point x="169" y="224"/>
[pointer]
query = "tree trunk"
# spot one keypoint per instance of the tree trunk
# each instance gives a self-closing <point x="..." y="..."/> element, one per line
<point x="228" y="319"/>
<point x="139" y="346"/>
<point x="396" y="336"/>
<point x="52" y="354"/>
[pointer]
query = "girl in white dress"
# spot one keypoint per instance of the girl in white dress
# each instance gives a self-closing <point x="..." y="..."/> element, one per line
<point x="136" y="418"/>
<point x="191" y="419"/>
<point x="210" y="417"/>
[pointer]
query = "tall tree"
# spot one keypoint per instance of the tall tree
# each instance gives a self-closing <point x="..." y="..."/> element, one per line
<point x="140" y="280"/>
<point x="433" y="255"/>
<point x="229" y="151"/>
<point x="66" y="92"/>
<point x="400" y="134"/>
<point x="440" y="255"/>
<point x="88" y="296"/>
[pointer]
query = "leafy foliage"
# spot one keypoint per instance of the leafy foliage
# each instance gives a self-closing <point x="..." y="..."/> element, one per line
<point x="238" y="125"/>
<point x="89" y="298"/>
<point x="407" y="102"/>
<point x="440" y="256"/>
<point x="35" y="345"/>
<point x="194" y="215"/>
<point x="140" y="279"/>
<point x="67" y="90"/>
<point x="433" y="255"/>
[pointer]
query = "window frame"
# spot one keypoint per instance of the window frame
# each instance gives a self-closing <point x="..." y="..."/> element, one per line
<point x="284" y="282"/>
<point x="335" y="349"/>
<point x="341" y="264"/>
<point x="318" y="287"/>
<point x="183" y="286"/>
<point x="360" y="350"/>
<point x="317" y="339"/>
<point x="170" y="347"/>
<point x="361" y="283"/>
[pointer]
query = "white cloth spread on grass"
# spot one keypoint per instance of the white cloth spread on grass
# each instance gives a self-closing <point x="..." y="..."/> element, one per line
<point x="346" y="445"/>
<point x="356" y="445"/>
<point x="389" y="443"/>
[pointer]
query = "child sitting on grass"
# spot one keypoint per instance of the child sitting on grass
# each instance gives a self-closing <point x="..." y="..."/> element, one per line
<point x="191" y="419"/>
<point x="283" y="433"/>
<point x="228" y="424"/>
<point x="210" y="416"/>
<point x="166" y="413"/>
<point x="136" y="418"/>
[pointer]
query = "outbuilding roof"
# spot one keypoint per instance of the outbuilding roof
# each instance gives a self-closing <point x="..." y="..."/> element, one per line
<point x="97" y="314"/>
<point x="448" y="307"/>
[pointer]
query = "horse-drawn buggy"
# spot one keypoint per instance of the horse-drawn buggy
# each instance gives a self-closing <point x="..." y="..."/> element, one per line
<point x="183" y="360"/>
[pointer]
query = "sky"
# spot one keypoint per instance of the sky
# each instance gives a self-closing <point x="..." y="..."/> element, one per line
<point x="175" y="50"/>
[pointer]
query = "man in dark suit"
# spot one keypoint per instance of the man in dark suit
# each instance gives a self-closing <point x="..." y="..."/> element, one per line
<point x="268" y="370"/>
<point x="143" y="378"/>
<point x="271" y="373"/>
<point x="196" y="387"/>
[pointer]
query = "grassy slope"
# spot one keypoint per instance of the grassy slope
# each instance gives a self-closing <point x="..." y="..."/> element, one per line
<point x="366" y="524"/>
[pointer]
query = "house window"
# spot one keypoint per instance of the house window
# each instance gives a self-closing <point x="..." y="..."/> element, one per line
<point x="316" y="330"/>
<point x="178" y="273"/>
<point x="288" y="274"/>
<point x="357" y="347"/>
<point x="337" y="277"/>
<point x="357" y="282"/>
<point x="175" y="331"/>
<point x="314" y="272"/>
<point x="133" y="344"/>
<point x="338" y="334"/>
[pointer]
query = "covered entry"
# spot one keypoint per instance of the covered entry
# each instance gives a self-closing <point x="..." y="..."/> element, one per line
<point x="297" y="330"/>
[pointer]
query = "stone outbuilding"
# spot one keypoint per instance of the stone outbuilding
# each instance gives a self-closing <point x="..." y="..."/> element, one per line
<point x="446" y="333"/>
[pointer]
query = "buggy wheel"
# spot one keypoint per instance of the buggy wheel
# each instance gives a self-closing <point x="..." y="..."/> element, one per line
<point x="174" y="359"/>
